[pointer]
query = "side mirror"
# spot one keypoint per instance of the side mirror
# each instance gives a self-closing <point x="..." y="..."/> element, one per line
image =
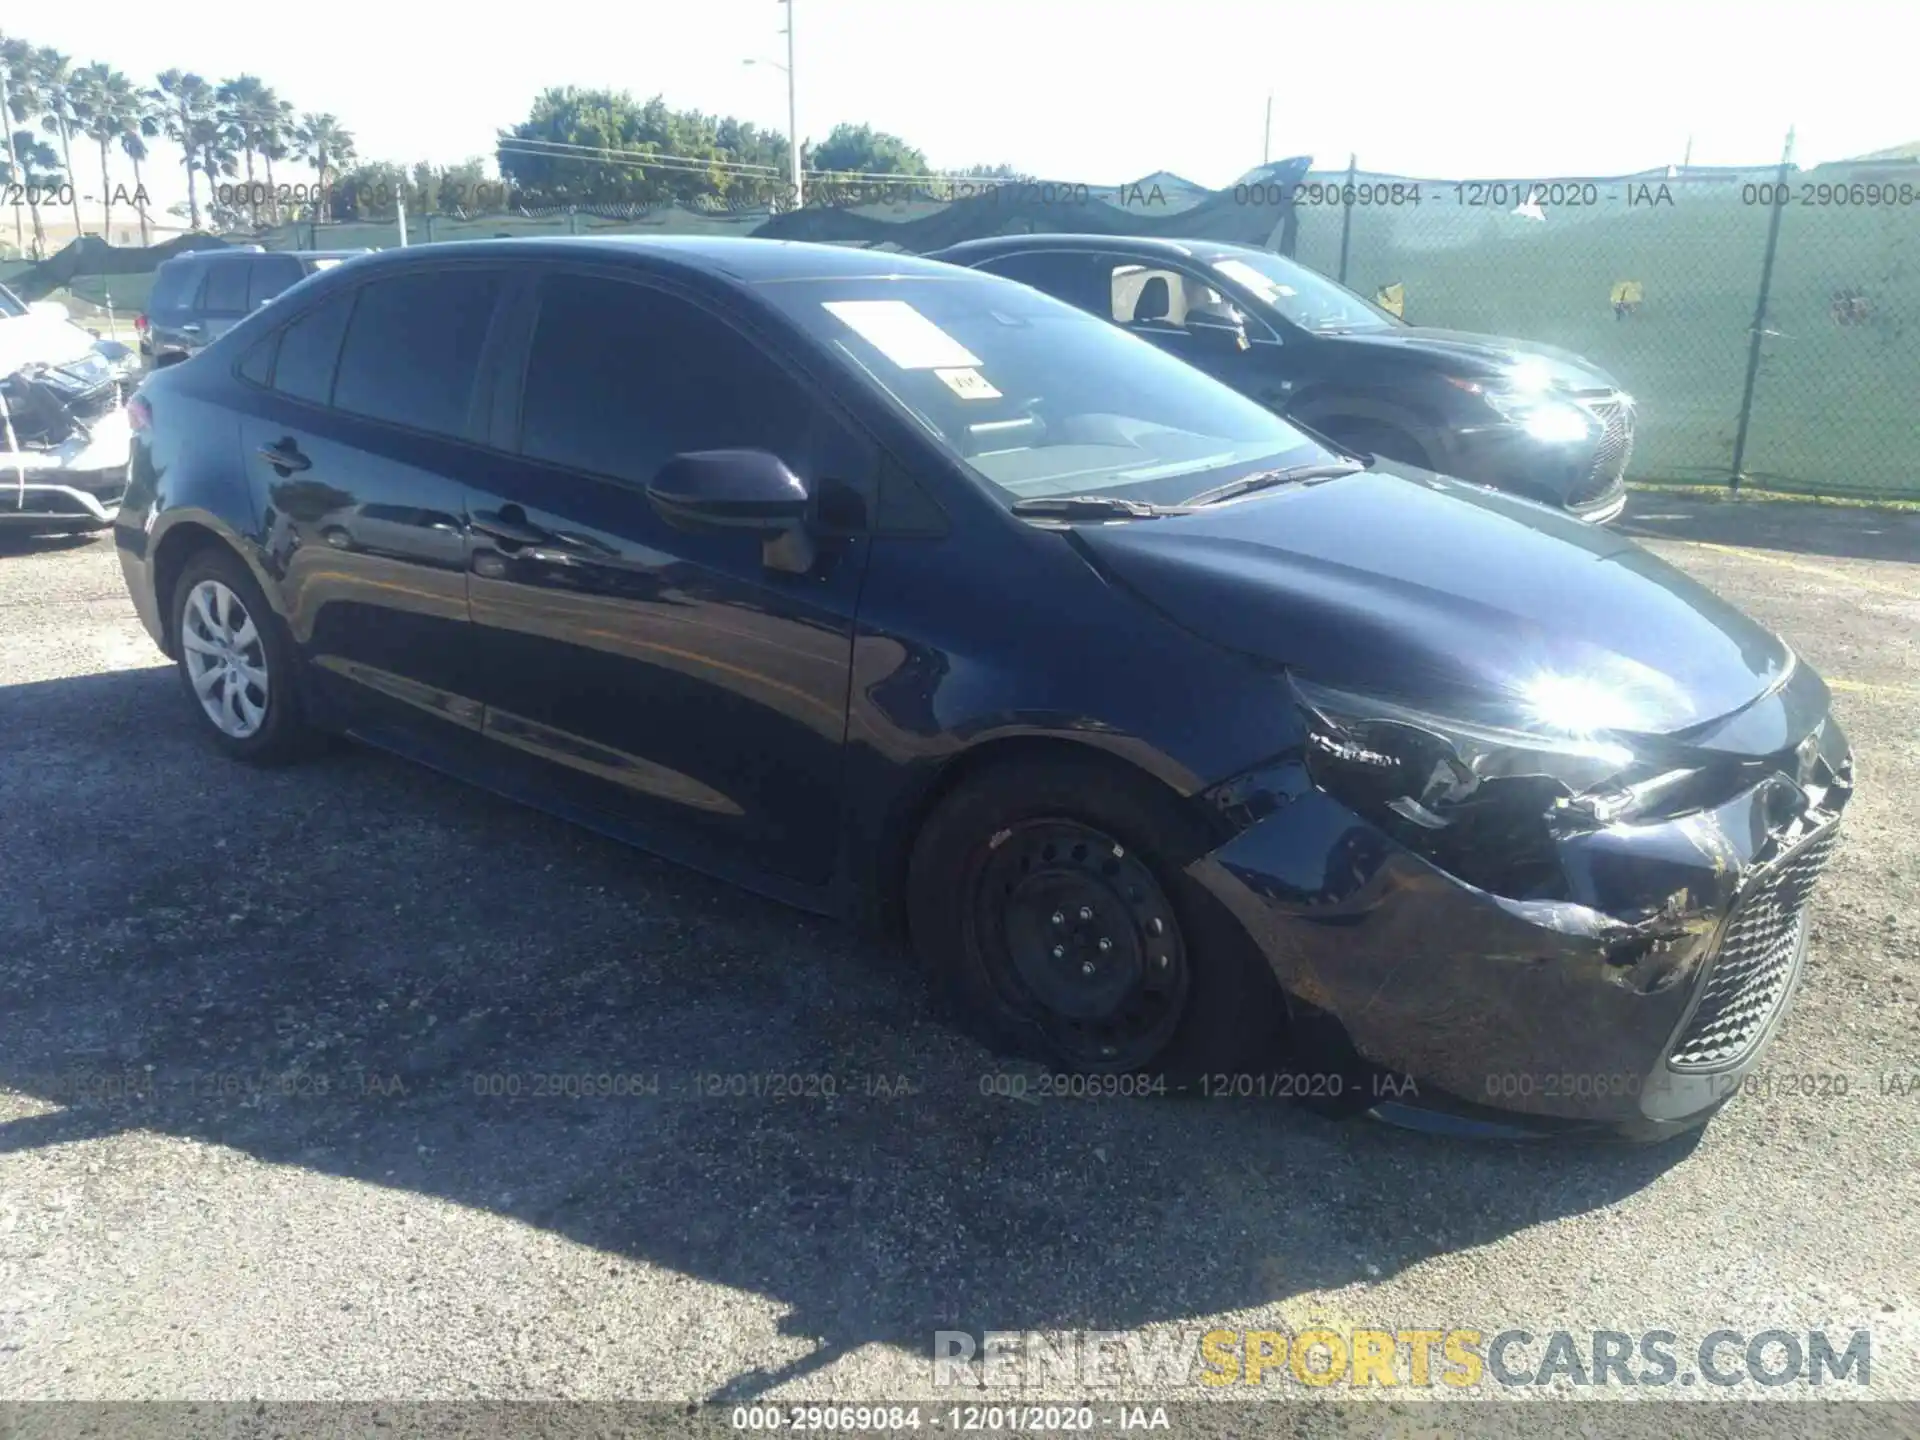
<point x="1217" y="330"/>
<point x="729" y="490"/>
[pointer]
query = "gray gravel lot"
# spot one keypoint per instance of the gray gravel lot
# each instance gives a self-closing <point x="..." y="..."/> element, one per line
<point x="247" y="1015"/>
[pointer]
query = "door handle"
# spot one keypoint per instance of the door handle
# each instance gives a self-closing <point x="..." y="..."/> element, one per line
<point x="190" y="328"/>
<point x="285" y="457"/>
<point x="509" y="526"/>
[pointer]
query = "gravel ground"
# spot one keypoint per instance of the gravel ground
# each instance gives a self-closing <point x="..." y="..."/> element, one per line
<point x="251" y="1017"/>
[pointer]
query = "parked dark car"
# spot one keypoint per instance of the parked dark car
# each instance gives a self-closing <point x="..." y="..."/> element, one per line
<point x="198" y="297"/>
<point x="1186" y="750"/>
<point x="1527" y="418"/>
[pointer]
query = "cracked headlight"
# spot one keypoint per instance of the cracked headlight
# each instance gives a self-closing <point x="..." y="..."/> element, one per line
<point x="1483" y="798"/>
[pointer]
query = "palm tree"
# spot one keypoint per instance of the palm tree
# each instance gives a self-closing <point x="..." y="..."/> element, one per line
<point x="12" y="53"/>
<point x="276" y="143"/>
<point x="39" y="172"/>
<point x="141" y="123"/>
<point x="187" y="101"/>
<point x="108" y="106"/>
<point x="326" y="145"/>
<point x="248" y="108"/>
<point x="54" y="83"/>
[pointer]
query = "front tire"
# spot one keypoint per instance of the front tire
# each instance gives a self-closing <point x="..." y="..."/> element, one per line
<point x="236" y="663"/>
<point x="1050" y="898"/>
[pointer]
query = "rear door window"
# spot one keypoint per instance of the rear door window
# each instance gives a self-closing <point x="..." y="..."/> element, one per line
<point x="226" y="292"/>
<point x="412" y="350"/>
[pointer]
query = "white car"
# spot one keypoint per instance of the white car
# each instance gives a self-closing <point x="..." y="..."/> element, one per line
<point x="64" y="435"/>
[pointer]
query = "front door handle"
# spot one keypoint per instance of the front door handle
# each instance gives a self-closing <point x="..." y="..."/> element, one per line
<point x="509" y="526"/>
<point x="285" y="457"/>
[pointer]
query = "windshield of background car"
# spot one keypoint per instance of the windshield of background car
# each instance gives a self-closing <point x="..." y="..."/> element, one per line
<point x="1036" y="397"/>
<point x="1307" y="298"/>
<point x="10" y="303"/>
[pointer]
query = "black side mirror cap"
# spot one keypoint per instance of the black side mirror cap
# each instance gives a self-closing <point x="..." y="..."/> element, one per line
<point x="729" y="490"/>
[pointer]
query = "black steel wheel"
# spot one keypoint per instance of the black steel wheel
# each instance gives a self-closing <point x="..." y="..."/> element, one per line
<point x="1076" y="931"/>
<point x="1049" y="896"/>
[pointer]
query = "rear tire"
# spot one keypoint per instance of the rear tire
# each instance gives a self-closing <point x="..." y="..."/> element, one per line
<point x="1023" y="871"/>
<point x="237" y="664"/>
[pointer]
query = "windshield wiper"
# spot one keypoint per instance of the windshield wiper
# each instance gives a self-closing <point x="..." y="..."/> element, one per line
<point x="1088" y="507"/>
<point x="1268" y="479"/>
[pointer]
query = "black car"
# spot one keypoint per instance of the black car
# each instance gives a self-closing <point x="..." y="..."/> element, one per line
<point x="1527" y="418"/>
<point x="198" y="297"/>
<point x="1188" y="751"/>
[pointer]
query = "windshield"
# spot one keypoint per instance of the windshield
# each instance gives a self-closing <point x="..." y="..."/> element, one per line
<point x="1304" y="296"/>
<point x="10" y="303"/>
<point x="1038" y="398"/>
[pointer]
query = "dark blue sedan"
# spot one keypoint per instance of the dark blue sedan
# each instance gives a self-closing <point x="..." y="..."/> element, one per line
<point x="1187" y="752"/>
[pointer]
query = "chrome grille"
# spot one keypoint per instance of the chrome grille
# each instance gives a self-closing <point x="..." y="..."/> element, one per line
<point x="1753" y="970"/>
<point x="1606" y="474"/>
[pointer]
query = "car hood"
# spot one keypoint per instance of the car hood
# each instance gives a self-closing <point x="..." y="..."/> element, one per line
<point x="1478" y="357"/>
<point x="1399" y="583"/>
<point x="40" y="340"/>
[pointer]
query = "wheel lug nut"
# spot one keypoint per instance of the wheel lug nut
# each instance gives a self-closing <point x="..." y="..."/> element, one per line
<point x="1059" y="952"/>
<point x="1086" y="967"/>
<point x="1105" y="944"/>
<point x="1058" y="918"/>
<point x="1155" y="926"/>
<point x="1086" y="913"/>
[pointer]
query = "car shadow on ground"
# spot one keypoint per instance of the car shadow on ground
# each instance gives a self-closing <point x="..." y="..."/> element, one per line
<point x="360" y="968"/>
<point x="1851" y="532"/>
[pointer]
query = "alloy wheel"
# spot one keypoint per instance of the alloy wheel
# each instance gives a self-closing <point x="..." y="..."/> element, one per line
<point x="226" y="660"/>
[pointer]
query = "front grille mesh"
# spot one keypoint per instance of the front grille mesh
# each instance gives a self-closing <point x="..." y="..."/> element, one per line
<point x="1606" y="475"/>
<point x="1754" y="968"/>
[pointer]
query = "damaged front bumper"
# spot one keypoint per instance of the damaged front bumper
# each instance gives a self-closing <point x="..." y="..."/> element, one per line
<point x="75" y="485"/>
<point x="1631" y="1006"/>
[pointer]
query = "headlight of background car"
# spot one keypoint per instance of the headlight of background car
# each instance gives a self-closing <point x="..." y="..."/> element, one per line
<point x="1534" y="408"/>
<point x="1485" y="800"/>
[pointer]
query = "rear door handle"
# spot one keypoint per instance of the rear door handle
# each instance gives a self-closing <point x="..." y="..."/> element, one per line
<point x="509" y="527"/>
<point x="285" y="457"/>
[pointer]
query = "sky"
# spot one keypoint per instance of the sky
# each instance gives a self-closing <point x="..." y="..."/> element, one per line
<point x="1077" y="90"/>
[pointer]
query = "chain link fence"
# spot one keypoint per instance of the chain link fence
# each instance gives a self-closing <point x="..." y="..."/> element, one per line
<point x="1666" y="279"/>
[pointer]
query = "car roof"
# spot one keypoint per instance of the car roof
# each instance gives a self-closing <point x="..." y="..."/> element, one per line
<point x="255" y="252"/>
<point x="1146" y="247"/>
<point x="735" y="260"/>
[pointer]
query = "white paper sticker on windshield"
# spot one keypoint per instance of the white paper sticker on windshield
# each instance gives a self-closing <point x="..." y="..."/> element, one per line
<point x="968" y="384"/>
<point x="902" y="334"/>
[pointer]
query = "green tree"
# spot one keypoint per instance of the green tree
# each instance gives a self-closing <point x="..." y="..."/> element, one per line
<point x="584" y="147"/>
<point x="860" y="150"/>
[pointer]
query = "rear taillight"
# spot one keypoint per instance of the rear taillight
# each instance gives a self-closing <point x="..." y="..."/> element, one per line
<point x="140" y="322"/>
<point x="139" y="414"/>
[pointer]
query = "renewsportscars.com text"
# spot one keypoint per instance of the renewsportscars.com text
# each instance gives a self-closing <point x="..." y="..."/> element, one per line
<point x="1459" y="1358"/>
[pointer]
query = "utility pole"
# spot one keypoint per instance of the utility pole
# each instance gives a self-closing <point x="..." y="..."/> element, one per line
<point x="1266" y="143"/>
<point x="793" y="113"/>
